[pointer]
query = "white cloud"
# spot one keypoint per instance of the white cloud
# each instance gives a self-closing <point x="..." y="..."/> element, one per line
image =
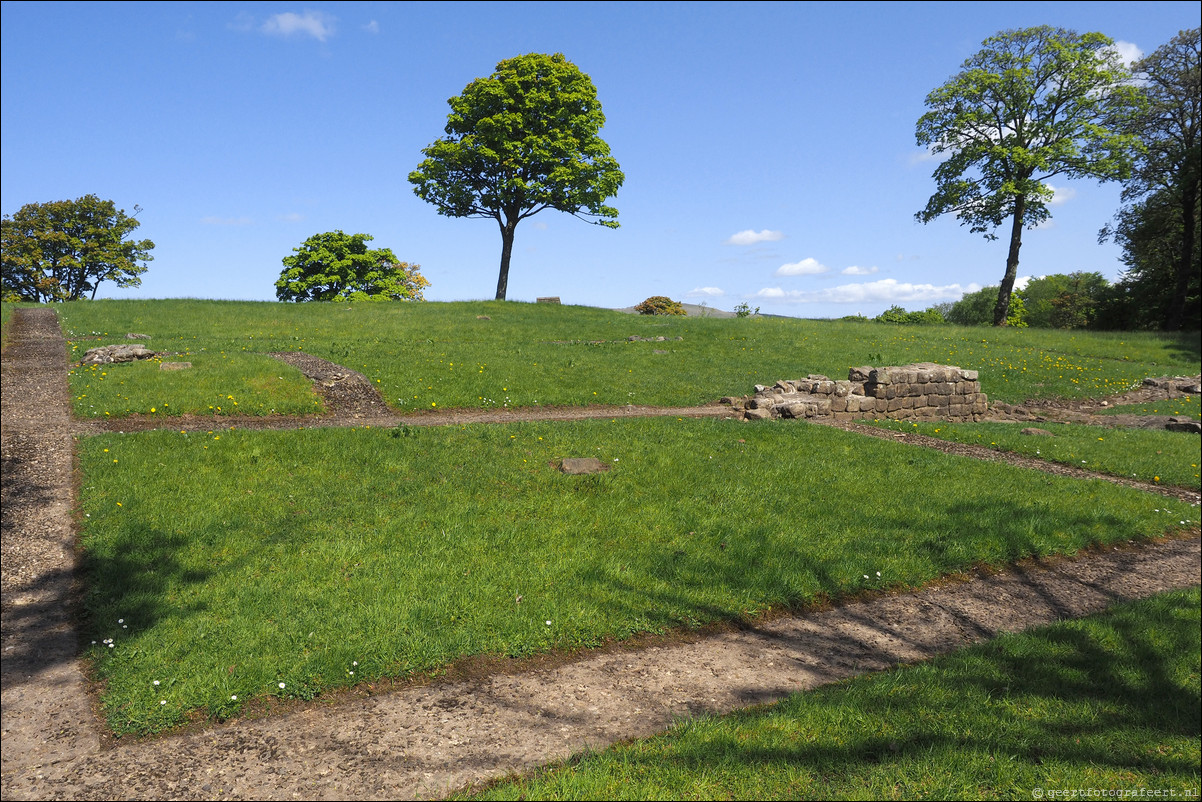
<point x="227" y="221"/>
<point x="317" y="24"/>
<point x="290" y="217"/>
<point x="1061" y="195"/>
<point x="750" y="237"/>
<point x="706" y="292"/>
<point x="886" y="290"/>
<point x="1128" y="52"/>
<point x="806" y="267"/>
<point x="1021" y="282"/>
<point x="372" y="27"/>
<point x="859" y="271"/>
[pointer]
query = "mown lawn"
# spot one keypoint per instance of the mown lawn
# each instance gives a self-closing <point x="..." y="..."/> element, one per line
<point x="501" y="354"/>
<point x="255" y="564"/>
<point x="1106" y="704"/>
<point x="1151" y="455"/>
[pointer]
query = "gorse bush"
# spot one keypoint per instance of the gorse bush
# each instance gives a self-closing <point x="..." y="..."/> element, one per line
<point x="659" y="305"/>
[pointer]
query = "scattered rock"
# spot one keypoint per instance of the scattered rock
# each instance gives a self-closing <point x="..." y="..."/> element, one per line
<point x="550" y="299"/>
<point x="1040" y="432"/>
<point x="579" y="465"/>
<point x="174" y="365"/>
<point x="133" y="336"/>
<point x="483" y="317"/>
<point x="107" y="354"/>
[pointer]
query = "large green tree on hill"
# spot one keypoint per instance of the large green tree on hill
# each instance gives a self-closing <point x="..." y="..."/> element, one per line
<point x="1031" y="105"/>
<point x="522" y="140"/>
<point x="1158" y="227"/>
<point x="63" y="250"/>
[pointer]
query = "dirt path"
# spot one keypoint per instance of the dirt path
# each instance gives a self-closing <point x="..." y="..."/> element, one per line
<point x="414" y="742"/>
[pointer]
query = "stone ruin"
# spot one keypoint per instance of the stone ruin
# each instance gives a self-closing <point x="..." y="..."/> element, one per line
<point x="922" y="391"/>
<point x="108" y="354"/>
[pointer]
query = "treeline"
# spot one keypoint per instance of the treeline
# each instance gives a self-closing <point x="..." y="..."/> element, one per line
<point x="1063" y="301"/>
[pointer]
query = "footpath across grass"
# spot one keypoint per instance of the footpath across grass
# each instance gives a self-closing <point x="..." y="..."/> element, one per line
<point x="1107" y="704"/>
<point x="1150" y="455"/>
<point x="235" y="565"/>
<point x="495" y="354"/>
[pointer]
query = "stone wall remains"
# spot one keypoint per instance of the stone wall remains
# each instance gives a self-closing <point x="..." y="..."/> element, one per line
<point x="922" y="391"/>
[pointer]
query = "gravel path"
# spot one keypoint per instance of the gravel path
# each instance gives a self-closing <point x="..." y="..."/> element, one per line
<point x="421" y="741"/>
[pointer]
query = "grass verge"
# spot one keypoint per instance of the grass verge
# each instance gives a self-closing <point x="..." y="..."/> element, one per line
<point x="1107" y="703"/>
<point x="1187" y="406"/>
<point x="257" y="564"/>
<point x="1151" y="455"/>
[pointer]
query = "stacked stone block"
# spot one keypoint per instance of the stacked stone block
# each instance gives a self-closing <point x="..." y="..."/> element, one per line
<point x="922" y="391"/>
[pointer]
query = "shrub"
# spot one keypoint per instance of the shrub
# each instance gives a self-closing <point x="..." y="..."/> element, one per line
<point x="898" y="315"/>
<point x="659" y="305"/>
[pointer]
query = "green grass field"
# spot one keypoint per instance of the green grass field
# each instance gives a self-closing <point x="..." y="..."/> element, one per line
<point x="1106" y="704"/>
<point x="226" y="563"/>
<point x="1152" y="455"/>
<point x="497" y="354"/>
<point x="231" y="567"/>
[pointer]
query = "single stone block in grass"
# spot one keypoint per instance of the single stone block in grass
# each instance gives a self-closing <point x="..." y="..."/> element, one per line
<point x="579" y="465"/>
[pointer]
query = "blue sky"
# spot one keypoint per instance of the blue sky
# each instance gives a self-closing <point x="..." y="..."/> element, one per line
<point x="769" y="149"/>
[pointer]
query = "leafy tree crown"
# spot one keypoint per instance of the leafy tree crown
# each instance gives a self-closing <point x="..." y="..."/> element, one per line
<point x="1032" y="104"/>
<point x="523" y="140"/>
<point x="64" y="250"/>
<point x="340" y="267"/>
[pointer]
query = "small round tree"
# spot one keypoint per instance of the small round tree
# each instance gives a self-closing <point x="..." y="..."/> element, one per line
<point x="339" y="267"/>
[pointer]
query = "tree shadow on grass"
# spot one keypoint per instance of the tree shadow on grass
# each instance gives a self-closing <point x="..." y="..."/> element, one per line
<point x="1115" y="693"/>
<point x="810" y="573"/>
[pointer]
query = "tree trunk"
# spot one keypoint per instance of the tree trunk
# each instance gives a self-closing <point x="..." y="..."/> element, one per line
<point x="1176" y="316"/>
<point x="1016" y="241"/>
<point x="507" y="229"/>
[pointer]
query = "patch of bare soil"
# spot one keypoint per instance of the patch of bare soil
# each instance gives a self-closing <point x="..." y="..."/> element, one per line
<point x="487" y="717"/>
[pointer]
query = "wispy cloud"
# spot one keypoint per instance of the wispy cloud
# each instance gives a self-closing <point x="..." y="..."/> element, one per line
<point x="859" y="271"/>
<point x="317" y="24"/>
<point x="806" y="267"/>
<point x="706" y="292"/>
<point x="926" y="155"/>
<point x="372" y="27"/>
<point x="290" y="217"/>
<point x="750" y="237"/>
<point x="886" y="290"/>
<point x="1061" y="195"/>
<point x="227" y="221"/>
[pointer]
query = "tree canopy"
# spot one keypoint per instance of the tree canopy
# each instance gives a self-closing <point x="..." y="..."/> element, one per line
<point x="64" y="250"/>
<point x="339" y="267"/>
<point x="522" y="140"/>
<point x="1031" y="105"/>
<point x="1158" y="226"/>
